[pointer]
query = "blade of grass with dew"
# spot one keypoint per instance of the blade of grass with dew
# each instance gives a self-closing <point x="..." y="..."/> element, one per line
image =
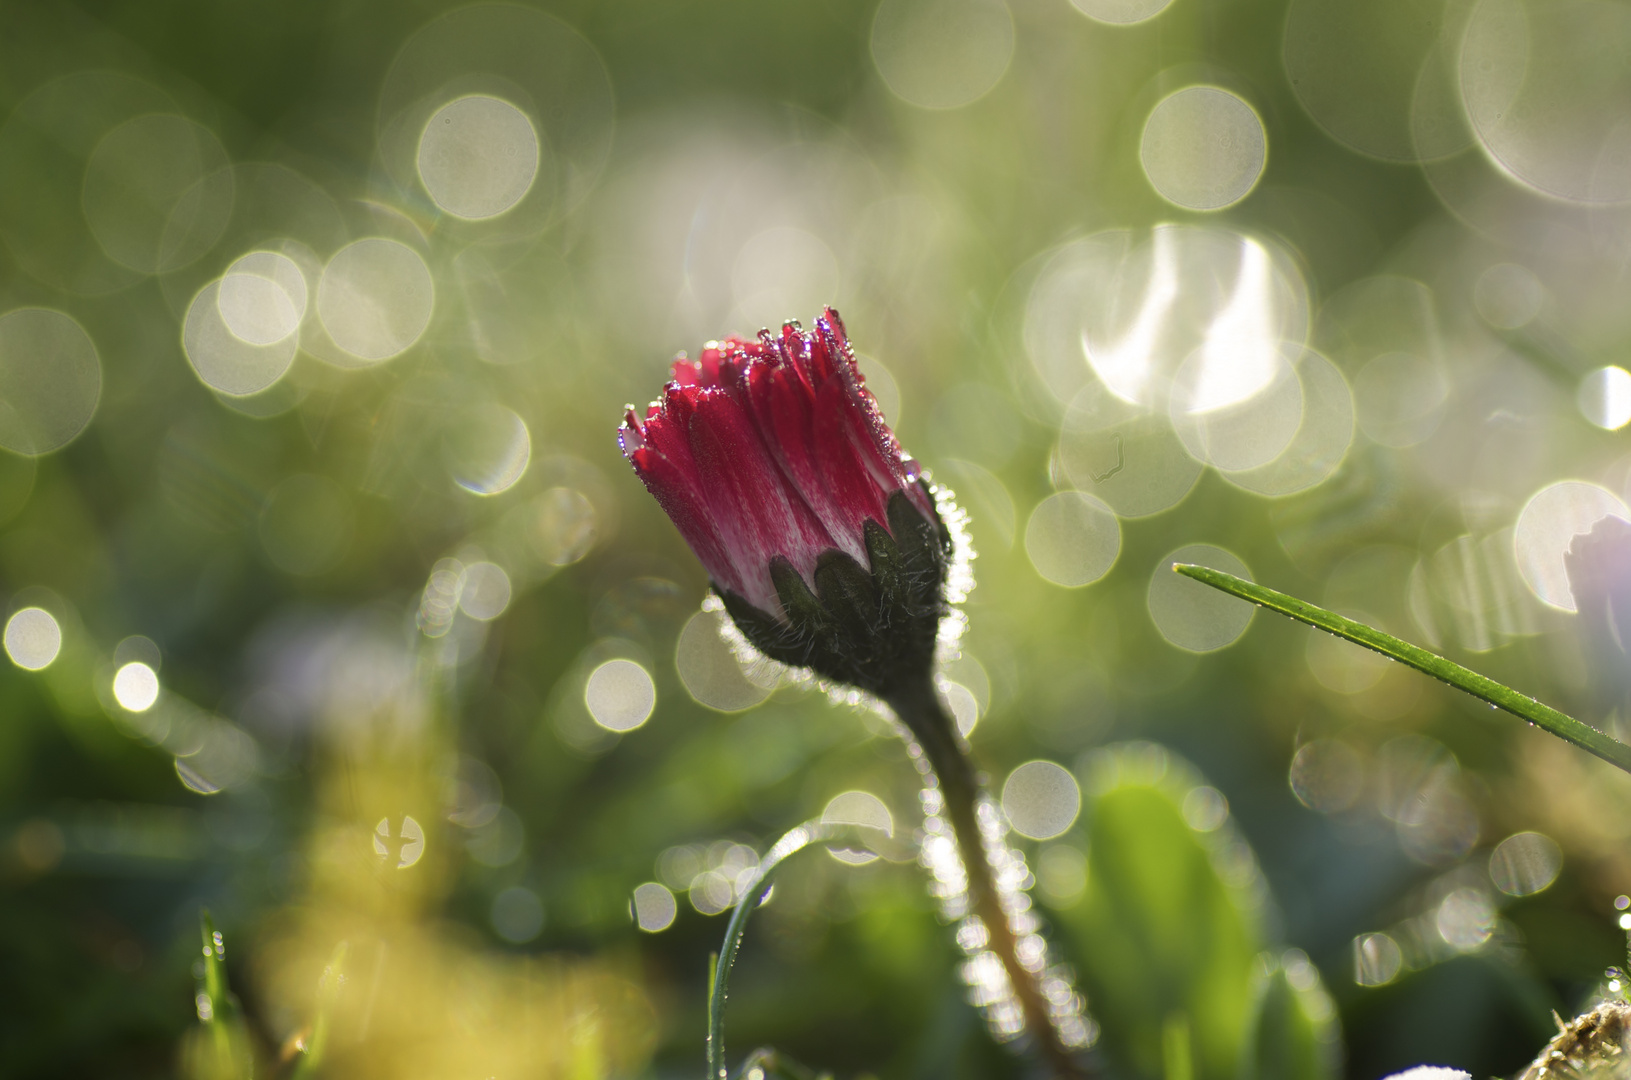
<point x="219" y="1049"/>
<point x="794" y="841"/>
<point x="1479" y="686"/>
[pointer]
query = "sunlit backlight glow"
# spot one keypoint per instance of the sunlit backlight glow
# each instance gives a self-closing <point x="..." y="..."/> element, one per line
<point x="1548" y="524"/>
<point x="1241" y="346"/>
<point x="1126" y="365"/>
<point x="33" y="638"/>
<point x="1604" y="397"/>
<point x="478" y="156"/>
<point x="620" y="695"/>
<point x="653" y="907"/>
<point x="136" y="687"/>
<point x="1041" y="800"/>
<point x="1525" y="863"/>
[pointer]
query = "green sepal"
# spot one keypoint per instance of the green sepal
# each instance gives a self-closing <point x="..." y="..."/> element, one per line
<point x="847" y="592"/>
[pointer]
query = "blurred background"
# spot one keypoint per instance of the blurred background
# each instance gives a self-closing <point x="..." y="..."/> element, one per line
<point x="334" y="610"/>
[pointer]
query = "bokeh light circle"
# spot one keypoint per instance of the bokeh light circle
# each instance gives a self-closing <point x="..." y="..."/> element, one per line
<point x="375" y="298"/>
<point x="1323" y="436"/>
<point x="1239" y="406"/>
<point x="478" y="156"/>
<point x="859" y="808"/>
<point x="710" y="670"/>
<point x="33" y="638"/>
<point x="1041" y="800"/>
<point x="1604" y="397"/>
<point x="50" y="380"/>
<point x="1135" y="308"/>
<point x="499" y="66"/>
<point x="1508" y="296"/>
<point x="1548" y="524"/>
<point x="1356" y="67"/>
<point x="1525" y="863"/>
<point x="263" y="297"/>
<point x="620" y="695"/>
<point x="654" y="907"/>
<point x="485" y="591"/>
<point x="1327" y="775"/>
<point x="1192" y="616"/>
<point x="1121" y="12"/>
<point x="1547" y="91"/>
<point x="1072" y="539"/>
<point x="942" y="54"/>
<point x="1203" y="148"/>
<point x="223" y="360"/>
<point x="136" y="687"/>
<point x="158" y="192"/>
<point x="517" y="914"/>
<point x="45" y="146"/>
<point x="488" y="448"/>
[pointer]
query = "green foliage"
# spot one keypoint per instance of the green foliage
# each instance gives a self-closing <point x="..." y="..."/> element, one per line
<point x="1291" y="1034"/>
<point x="219" y="1048"/>
<point x="1164" y="946"/>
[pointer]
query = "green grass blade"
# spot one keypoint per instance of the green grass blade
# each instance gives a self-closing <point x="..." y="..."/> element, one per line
<point x="328" y="990"/>
<point x="1479" y="686"/>
<point x="794" y="841"/>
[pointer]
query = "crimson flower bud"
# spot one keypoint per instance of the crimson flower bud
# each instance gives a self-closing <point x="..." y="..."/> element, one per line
<point x="820" y="536"/>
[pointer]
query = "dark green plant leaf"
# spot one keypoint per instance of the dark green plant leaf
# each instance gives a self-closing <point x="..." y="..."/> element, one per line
<point x="1165" y="936"/>
<point x="1292" y="1034"/>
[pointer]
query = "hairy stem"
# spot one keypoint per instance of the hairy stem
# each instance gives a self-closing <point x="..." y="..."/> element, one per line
<point x="918" y="707"/>
<point x="1479" y="686"/>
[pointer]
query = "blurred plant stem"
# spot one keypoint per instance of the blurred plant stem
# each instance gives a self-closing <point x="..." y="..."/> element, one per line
<point x="720" y="964"/>
<point x="918" y="707"/>
<point x="311" y="1057"/>
<point x="1479" y="686"/>
<point x="219" y="1049"/>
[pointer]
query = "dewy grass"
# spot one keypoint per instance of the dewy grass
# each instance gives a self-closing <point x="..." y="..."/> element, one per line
<point x="1479" y="686"/>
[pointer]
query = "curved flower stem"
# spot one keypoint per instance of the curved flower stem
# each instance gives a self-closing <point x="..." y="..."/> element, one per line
<point x="1479" y="686"/>
<point x="919" y="708"/>
<point x="722" y="963"/>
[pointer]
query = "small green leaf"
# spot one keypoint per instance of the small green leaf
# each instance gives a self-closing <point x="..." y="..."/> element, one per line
<point x="219" y="1048"/>
<point x="1163" y="943"/>
<point x="1293" y="1032"/>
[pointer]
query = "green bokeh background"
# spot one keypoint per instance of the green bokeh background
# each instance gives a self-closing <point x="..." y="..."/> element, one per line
<point x="289" y="614"/>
